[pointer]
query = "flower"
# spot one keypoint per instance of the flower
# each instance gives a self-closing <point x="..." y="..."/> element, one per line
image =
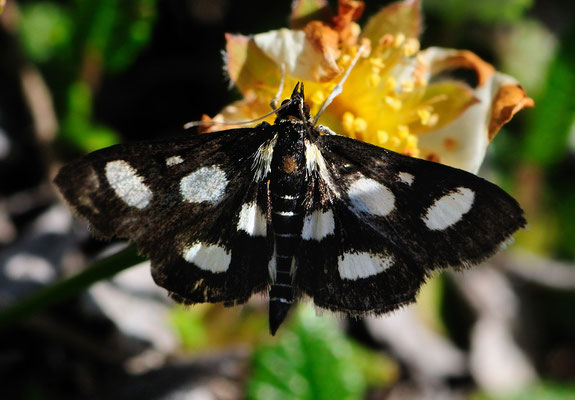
<point x="396" y="96"/>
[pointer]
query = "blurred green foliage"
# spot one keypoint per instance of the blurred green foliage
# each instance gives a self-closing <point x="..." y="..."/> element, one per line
<point x="113" y="32"/>
<point x="487" y="11"/>
<point x="190" y="327"/>
<point x="543" y="391"/>
<point x="314" y="360"/>
<point x="547" y="130"/>
<point x="78" y="125"/>
<point x="45" y="30"/>
<point x="75" y="44"/>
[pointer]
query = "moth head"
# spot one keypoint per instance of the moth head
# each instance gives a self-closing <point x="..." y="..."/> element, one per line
<point x="295" y="108"/>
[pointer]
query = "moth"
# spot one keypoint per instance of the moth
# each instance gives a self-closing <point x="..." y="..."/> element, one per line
<point x="290" y="209"/>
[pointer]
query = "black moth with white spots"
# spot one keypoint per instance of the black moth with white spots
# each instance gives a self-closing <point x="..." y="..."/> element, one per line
<point x="288" y="209"/>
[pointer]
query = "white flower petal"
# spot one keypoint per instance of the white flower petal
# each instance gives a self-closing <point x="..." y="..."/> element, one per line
<point x="293" y="49"/>
<point x="468" y="134"/>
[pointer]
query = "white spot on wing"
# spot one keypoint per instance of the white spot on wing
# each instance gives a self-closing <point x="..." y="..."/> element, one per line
<point x="128" y="185"/>
<point x="208" y="257"/>
<point x="406" y="178"/>
<point x="174" y="160"/>
<point x="262" y="164"/>
<point x="272" y="265"/>
<point x="314" y="161"/>
<point x="205" y="184"/>
<point x="369" y="196"/>
<point x="285" y="213"/>
<point x="449" y="209"/>
<point x="354" y="266"/>
<point x="252" y="220"/>
<point x="318" y="225"/>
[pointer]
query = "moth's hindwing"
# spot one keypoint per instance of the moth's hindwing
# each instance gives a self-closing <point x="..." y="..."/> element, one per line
<point x="191" y="204"/>
<point x="388" y="220"/>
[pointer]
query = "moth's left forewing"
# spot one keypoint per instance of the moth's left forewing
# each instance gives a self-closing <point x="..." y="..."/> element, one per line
<point x="180" y="201"/>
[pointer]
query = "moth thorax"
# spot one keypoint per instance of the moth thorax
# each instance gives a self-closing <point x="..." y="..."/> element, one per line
<point x="289" y="164"/>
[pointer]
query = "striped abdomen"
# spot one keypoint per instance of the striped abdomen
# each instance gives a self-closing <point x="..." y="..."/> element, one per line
<point x="287" y="223"/>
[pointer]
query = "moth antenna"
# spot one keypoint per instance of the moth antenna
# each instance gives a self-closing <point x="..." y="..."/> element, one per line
<point x="299" y="87"/>
<point x="276" y="98"/>
<point x="339" y="87"/>
<point x="191" y="124"/>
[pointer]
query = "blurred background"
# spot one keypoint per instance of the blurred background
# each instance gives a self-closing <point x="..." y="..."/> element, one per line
<point x="82" y="319"/>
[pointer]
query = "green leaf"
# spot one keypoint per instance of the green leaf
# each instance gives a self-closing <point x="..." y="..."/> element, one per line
<point x="44" y="30"/>
<point x="488" y="11"/>
<point x="528" y="42"/>
<point x="111" y="33"/>
<point x="548" y="127"/>
<point x="311" y="360"/>
<point x="190" y="327"/>
<point x="545" y="390"/>
<point x="78" y="127"/>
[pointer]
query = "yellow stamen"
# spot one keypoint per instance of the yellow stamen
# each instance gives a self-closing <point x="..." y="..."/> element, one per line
<point x="424" y="115"/>
<point x="317" y="97"/>
<point x="374" y="80"/>
<point x="360" y="125"/>
<point x="390" y="83"/>
<point x="411" y="142"/>
<point x="402" y="131"/>
<point x="347" y="122"/>
<point x="382" y="137"/>
<point x="377" y="62"/>
<point x="353" y="51"/>
<point x="433" y="119"/>
<point x="411" y="47"/>
<point x="393" y="102"/>
<point x="399" y="39"/>
<point x="345" y="60"/>
<point x="407" y="85"/>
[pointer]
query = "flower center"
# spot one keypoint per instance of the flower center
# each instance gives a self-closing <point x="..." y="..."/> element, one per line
<point x="381" y="101"/>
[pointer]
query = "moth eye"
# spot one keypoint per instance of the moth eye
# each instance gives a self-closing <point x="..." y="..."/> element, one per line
<point x="285" y="101"/>
<point x="305" y="108"/>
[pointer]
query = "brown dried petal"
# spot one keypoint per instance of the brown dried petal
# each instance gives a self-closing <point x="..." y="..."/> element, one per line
<point x="509" y="100"/>
<point x="325" y="40"/>
<point x="348" y="12"/>
<point x="464" y="59"/>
